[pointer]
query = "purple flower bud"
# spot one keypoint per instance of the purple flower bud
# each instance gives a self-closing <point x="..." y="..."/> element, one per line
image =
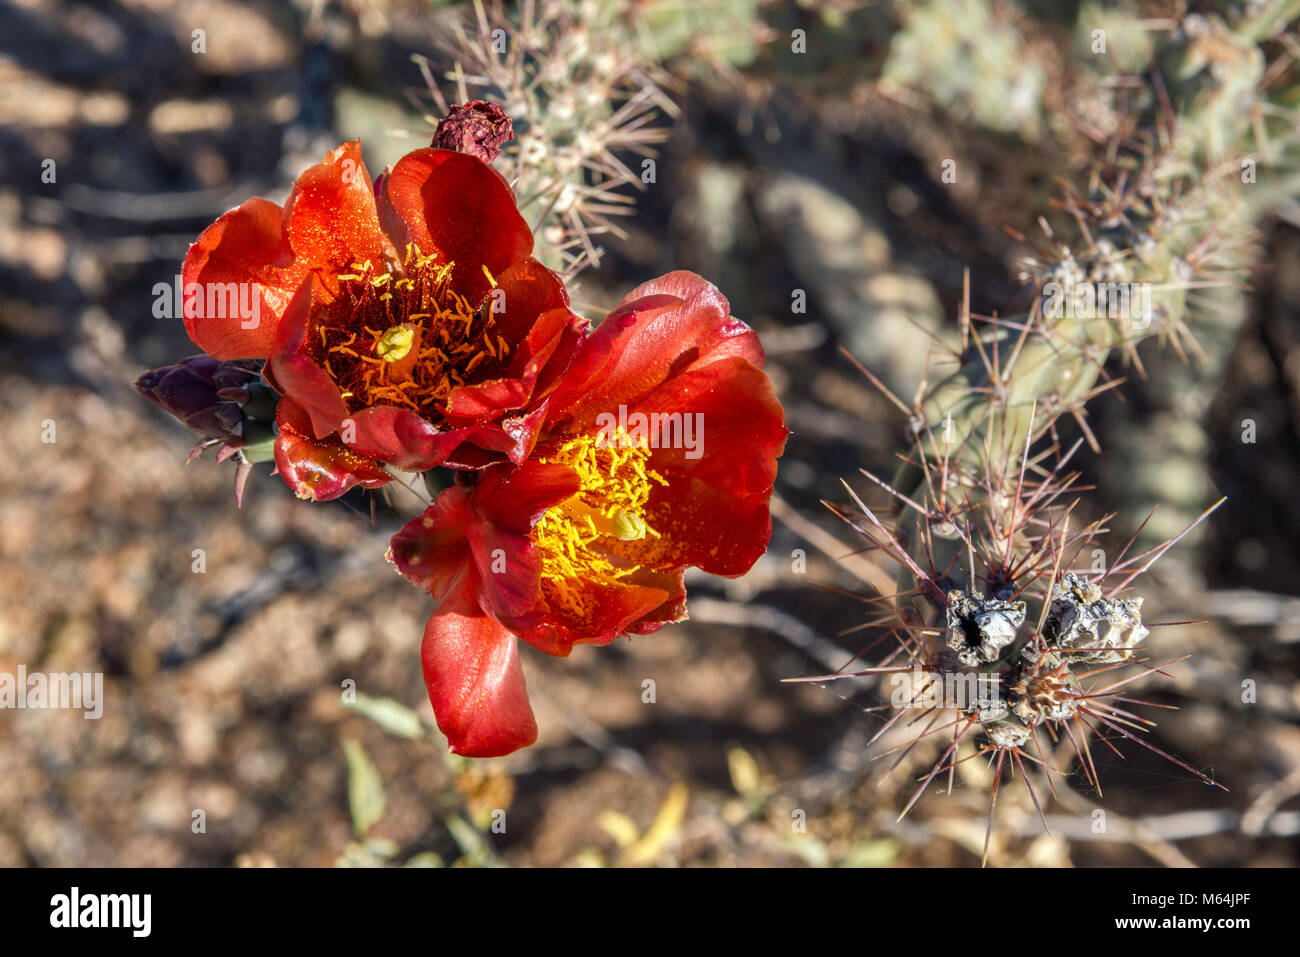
<point x="206" y="394"/>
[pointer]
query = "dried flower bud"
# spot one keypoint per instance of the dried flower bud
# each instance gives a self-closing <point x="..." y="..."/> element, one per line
<point x="979" y="628"/>
<point x="206" y="394"/>
<point x="1047" y="696"/>
<point x="1098" y="629"/>
<point x="478" y="128"/>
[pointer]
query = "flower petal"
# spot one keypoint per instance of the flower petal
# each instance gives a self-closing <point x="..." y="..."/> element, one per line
<point x="296" y="376"/>
<point x="489" y="398"/>
<point x="318" y="469"/>
<point x="329" y="221"/>
<point x="733" y="419"/>
<point x="245" y="245"/>
<point x="431" y="550"/>
<point x="526" y="290"/>
<point x="589" y="612"/>
<point x="456" y="206"/>
<point x="331" y="218"/>
<point x="515" y="498"/>
<point x="476" y="684"/>
<point x="661" y="330"/>
<point x="701" y="526"/>
<point x="402" y="438"/>
<point x="507" y="502"/>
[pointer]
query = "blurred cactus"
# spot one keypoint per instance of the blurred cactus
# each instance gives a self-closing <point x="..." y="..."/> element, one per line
<point x="584" y="84"/>
<point x="1173" y="215"/>
<point x="721" y="36"/>
<point x="966" y="57"/>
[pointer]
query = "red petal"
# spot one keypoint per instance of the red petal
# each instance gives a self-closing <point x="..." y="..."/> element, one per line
<point x="598" y="612"/>
<point x="402" y="438"/>
<point x="661" y="330"/>
<point x="507" y="502"/>
<point x="515" y="498"/>
<point x="331" y="219"/>
<point x="431" y="551"/>
<point x="460" y="208"/>
<point x="246" y="245"/>
<point x="550" y="331"/>
<point x="738" y="434"/>
<point x="674" y="606"/>
<point x="488" y="399"/>
<point x="527" y="289"/>
<point x="319" y="469"/>
<point x="701" y="526"/>
<point x="297" y="377"/>
<point x="476" y="685"/>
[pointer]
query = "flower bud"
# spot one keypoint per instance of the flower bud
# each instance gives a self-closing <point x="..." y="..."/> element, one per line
<point x="207" y="394"/>
<point x="478" y="128"/>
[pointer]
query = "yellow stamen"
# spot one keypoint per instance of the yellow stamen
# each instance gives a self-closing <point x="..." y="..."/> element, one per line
<point x="610" y="504"/>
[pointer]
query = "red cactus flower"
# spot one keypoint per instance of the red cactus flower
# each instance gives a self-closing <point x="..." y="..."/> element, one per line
<point x="658" y="451"/>
<point x="405" y="322"/>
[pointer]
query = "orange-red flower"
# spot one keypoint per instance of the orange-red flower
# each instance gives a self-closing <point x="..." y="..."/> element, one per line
<point x="404" y="322"/>
<point x="657" y="452"/>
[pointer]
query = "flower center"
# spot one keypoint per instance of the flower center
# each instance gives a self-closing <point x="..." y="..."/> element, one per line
<point x="395" y="344"/>
<point x="405" y="338"/>
<point x="610" y="502"/>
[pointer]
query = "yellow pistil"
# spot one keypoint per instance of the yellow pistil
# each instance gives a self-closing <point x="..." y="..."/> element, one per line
<point x="395" y="343"/>
<point x="614" y="491"/>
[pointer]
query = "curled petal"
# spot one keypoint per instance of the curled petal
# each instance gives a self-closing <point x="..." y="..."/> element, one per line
<point x="475" y="682"/>
<point x="592" y="612"/>
<point x="319" y="469"/>
<point x="431" y="550"/>
<point x="553" y="338"/>
<point x="525" y="291"/>
<point x="297" y="377"/>
<point x="516" y="498"/>
<point x="402" y="438"/>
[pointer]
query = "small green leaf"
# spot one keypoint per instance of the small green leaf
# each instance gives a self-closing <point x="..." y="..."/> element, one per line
<point x="365" y="789"/>
<point x="393" y="716"/>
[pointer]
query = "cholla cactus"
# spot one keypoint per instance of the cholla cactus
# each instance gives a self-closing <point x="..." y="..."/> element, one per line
<point x="967" y="57"/>
<point x="584" y="93"/>
<point x="990" y="582"/>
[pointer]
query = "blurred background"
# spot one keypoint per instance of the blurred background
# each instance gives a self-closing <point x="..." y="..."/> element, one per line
<point x="799" y="148"/>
